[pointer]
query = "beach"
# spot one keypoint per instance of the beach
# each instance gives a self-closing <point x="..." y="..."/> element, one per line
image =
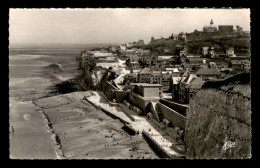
<point x="46" y="124"/>
<point x="31" y="78"/>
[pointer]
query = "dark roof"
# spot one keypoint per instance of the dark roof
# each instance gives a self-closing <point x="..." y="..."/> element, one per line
<point x="146" y="84"/>
<point x="196" y="83"/>
<point x="131" y="75"/>
<point x="206" y="71"/>
<point x="240" y="61"/>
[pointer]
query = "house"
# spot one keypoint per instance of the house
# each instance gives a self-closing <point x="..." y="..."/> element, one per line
<point x="183" y="59"/>
<point x="175" y="37"/>
<point x="222" y="64"/>
<point x="166" y="80"/>
<point x="174" y="87"/>
<point x="129" y="52"/>
<point x="213" y="65"/>
<point x="240" y="65"/>
<point x="112" y="49"/>
<point x="182" y="36"/>
<point x="230" y="52"/>
<point x="134" y="57"/>
<point x="239" y="29"/>
<point x="225" y="28"/>
<point x="183" y="53"/>
<point x="142" y="52"/>
<point x="149" y="59"/>
<point x="208" y="52"/>
<point x="174" y="71"/>
<point x="140" y="42"/>
<point x="147" y="75"/>
<point x="133" y="61"/>
<point x="130" y="78"/>
<point x="189" y="86"/>
<point x="205" y="51"/>
<point x="208" y="73"/>
<point x="164" y="58"/>
<point x="186" y="72"/>
<point x="122" y="48"/>
<point x="146" y="90"/>
<point x="134" y="65"/>
<point x="129" y="45"/>
<point x="186" y="65"/>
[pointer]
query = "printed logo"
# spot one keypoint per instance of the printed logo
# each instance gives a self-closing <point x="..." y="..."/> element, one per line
<point x="229" y="145"/>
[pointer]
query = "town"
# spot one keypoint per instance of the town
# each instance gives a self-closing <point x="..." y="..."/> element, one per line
<point x="153" y="83"/>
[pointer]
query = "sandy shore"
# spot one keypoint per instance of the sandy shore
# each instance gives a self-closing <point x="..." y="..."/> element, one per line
<point x="88" y="133"/>
<point x="29" y="79"/>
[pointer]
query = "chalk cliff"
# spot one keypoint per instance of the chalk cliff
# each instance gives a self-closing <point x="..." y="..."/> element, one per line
<point x="219" y="113"/>
<point x="95" y="77"/>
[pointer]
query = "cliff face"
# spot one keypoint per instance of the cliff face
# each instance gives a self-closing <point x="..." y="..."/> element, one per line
<point x="95" y="77"/>
<point x="217" y="115"/>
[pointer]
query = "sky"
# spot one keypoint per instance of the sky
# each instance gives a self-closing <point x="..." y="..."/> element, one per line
<point x="86" y="26"/>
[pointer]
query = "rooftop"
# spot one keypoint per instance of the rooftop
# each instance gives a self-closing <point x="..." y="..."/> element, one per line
<point x="207" y="71"/>
<point x="146" y="84"/>
<point x="240" y="61"/>
<point x="175" y="80"/>
<point x="172" y="69"/>
<point x="190" y="78"/>
<point x="131" y="75"/>
<point x="145" y="71"/>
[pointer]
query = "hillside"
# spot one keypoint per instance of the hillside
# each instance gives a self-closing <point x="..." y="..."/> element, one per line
<point x="219" y="113"/>
<point x="241" y="45"/>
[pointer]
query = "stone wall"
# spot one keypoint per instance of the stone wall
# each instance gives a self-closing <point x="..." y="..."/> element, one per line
<point x="216" y="116"/>
<point x="138" y="102"/>
<point x="108" y="90"/>
<point x="120" y="96"/>
<point x="154" y="111"/>
<point x="179" y="108"/>
<point x="176" y="119"/>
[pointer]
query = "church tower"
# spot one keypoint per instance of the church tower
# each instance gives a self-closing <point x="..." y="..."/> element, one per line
<point x="211" y="22"/>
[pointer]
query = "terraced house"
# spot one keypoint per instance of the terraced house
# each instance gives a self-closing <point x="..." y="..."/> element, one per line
<point x="240" y="65"/>
<point x="189" y="86"/>
<point x="147" y="75"/>
<point x="208" y="73"/>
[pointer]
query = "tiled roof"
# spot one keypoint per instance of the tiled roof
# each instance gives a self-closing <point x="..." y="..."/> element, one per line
<point x="146" y="84"/>
<point x="193" y="81"/>
<point x="146" y="71"/>
<point x="102" y="54"/>
<point x="190" y="78"/>
<point x="131" y="75"/>
<point x="207" y="71"/>
<point x="129" y="45"/>
<point x="240" y="61"/>
<point x="175" y="80"/>
<point x="160" y="58"/>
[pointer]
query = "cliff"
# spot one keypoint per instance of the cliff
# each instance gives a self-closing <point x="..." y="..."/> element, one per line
<point x="95" y="77"/>
<point x="219" y="113"/>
